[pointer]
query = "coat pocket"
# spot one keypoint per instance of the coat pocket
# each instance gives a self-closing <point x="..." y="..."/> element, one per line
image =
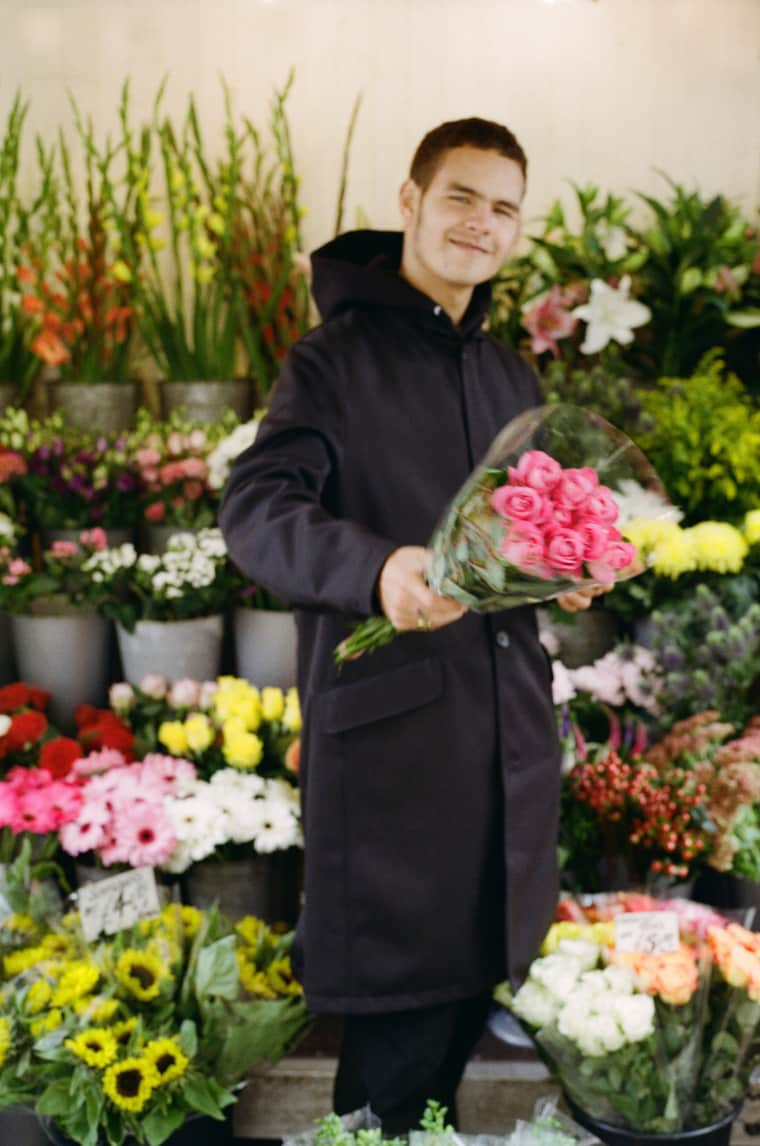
<point x="381" y="696"/>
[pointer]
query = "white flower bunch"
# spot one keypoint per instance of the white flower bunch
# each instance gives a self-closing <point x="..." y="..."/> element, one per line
<point x="8" y="530"/>
<point x="222" y="456"/>
<point x="635" y="502"/>
<point x="105" y="564"/>
<point x="598" y="1009"/>
<point x="232" y="808"/>
<point x="624" y="675"/>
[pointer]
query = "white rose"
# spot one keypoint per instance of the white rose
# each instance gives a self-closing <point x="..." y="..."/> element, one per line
<point x="573" y="1017"/>
<point x="620" y="979"/>
<point x="535" y="1004"/>
<point x="558" y="973"/>
<point x="121" y="696"/>
<point x="586" y="952"/>
<point x="153" y="685"/>
<point x="184" y="693"/>
<point x="600" y="1035"/>
<point x="595" y="982"/>
<point x="635" y="1014"/>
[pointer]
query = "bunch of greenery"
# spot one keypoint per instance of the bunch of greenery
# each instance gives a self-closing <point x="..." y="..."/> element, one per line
<point x="704" y="441"/>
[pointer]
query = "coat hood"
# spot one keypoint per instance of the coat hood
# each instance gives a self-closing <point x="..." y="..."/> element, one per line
<point x="360" y="269"/>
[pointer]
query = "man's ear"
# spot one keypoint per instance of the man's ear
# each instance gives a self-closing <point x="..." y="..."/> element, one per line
<point x="408" y="200"/>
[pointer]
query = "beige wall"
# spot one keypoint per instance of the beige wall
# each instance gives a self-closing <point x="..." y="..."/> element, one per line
<point x="600" y="90"/>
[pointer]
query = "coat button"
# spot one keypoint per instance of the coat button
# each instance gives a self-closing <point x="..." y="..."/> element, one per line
<point x="437" y="310"/>
<point x="502" y="639"/>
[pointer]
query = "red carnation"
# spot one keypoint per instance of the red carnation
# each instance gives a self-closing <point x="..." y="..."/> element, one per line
<point x="20" y="695"/>
<point x="58" y="755"/>
<point x="26" y="728"/>
<point x="103" y="729"/>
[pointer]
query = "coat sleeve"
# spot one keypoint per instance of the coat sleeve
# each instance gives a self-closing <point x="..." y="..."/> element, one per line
<point x="280" y="513"/>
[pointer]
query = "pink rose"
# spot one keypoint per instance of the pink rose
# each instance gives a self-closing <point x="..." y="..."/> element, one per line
<point x="147" y="457"/>
<point x="523" y="547"/>
<point x="154" y="685"/>
<point x="619" y="554"/>
<point x="64" y="549"/>
<point x="520" y="503"/>
<point x="195" y="468"/>
<point x="600" y="506"/>
<point x="564" y="551"/>
<point x="536" y="469"/>
<point x="561" y="515"/>
<point x="600" y="571"/>
<point x="595" y="539"/>
<point x="574" y="487"/>
<point x="94" y="538"/>
<point x="184" y="693"/>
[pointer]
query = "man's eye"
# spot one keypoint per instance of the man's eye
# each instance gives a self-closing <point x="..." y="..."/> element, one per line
<point x="459" y="198"/>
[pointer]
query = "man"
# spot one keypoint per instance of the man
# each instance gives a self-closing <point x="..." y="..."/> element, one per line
<point x="430" y="769"/>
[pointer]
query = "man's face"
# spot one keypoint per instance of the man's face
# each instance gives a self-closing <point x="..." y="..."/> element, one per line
<point x="465" y="225"/>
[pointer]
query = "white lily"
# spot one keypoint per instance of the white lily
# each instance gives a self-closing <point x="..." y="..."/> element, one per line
<point x="611" y="315"/>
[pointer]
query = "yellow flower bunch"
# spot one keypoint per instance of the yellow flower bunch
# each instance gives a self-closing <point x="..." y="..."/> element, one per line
<point x="236" y="698"/>
<point x="671" y="551"/>
<point x="601" y="933"/>
<point x="751" y="526"/>
<point x="240" y="748"/>
<point x="96" y="1046"/>
<point x="167" y="1057"/>
<point x="141" y="973"/>
<point x="130" y="1082"/>
<point x="78" y="978"/>
<point x="291" y="717"/>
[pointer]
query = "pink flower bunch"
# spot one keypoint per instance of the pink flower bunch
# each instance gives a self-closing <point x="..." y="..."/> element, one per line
<point x="174" y="471"/>
<point x="12" y="569"/>
<point x="122" y="818"/>
<point x="31" y="800"/>
<point x="551" y="319"/>
<point x="561" y="521"/>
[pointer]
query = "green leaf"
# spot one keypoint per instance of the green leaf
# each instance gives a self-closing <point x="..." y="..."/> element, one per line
<point x="199" y="1095"/>
<point x="55" y="1099"/>
<point x="159" y="1125"/>
<point x="188" y="1038"/>
<point x="216" y="973"/>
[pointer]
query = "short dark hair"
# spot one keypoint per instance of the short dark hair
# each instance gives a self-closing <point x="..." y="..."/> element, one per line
<point x="472" y="132"/>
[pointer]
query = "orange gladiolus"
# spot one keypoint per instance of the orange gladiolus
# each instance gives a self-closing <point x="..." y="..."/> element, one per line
<point x="49" y="347"/>
<point x="25" y="275"/>
<point x="30" y="304"/>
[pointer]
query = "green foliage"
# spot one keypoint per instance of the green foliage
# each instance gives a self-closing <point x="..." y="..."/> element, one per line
<point x="704" y="441"/>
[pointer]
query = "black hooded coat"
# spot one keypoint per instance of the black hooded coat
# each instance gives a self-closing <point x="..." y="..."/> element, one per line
<point x="430" y="769"/>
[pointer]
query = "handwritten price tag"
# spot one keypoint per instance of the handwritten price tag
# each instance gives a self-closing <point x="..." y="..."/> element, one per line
<point x="119" y="901"/>
<point x="649" y="931"/>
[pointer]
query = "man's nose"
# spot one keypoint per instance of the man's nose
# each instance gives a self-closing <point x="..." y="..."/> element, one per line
<point x="477" y="218"/>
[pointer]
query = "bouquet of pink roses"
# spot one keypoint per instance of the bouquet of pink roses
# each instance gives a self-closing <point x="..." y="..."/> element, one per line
<point x="544" y="514"/>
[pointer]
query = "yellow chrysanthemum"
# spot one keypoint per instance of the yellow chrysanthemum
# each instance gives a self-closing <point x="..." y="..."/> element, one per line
<point x="96" y="1046"/>
<point x="18" y="923"/>
<point x="141" y="972"/>
<point x="23" y="960"/>
<point x="199" y="732"/>
<point x="5" y="1039"/>
<point x="251" y="930"/>
<point x="168" y="1058"/>
<point x="46" y="1023"/>
<point x="718" y="546"/>
<point x="79" y="978"/>
<point x="130" y="1083"/>
<point x="98" y="1009"/>
<point x="752" y="526"/>
<point x="291" y="717"/>
<point x="38" y="996"/>
<point x="241" y="749"/>
<point x="173" y="736"/>
<point x="191" y="919"/>
<point x="673" y="555"/>
<point x="272" y="703"/>
<point x="280" y="976"/>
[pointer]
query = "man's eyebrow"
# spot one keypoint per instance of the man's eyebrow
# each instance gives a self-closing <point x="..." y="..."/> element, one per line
<point x="477" y="195"/>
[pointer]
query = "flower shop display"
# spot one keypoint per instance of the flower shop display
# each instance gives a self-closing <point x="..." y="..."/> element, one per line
<point x="168" y="607"/>
<point x="535" y="520"/>
<point x="71" y="479"/>
<point x="174" y="461"/>
<point x="655" y="1041"/>
<point x="237" y="822"/>
<point x="81" y="309"/>
<point x="154" y="1025"/>
<point x="59" y="638"/>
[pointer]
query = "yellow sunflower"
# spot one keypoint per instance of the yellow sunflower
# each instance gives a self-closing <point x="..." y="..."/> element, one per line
<point x="5" y="1039"/>
<point x="141" y="972"/>
<point x="38" y="996"/>
<point x="255" y="982"/>
<point x="167" y="1057"/>
<point x="280" y="977"/>
<point x="251" y="930"/>
<point x="97" y="1009"/>
<point x="122" y="1031"/>
<point x="96" y="1046"/>
<point x="22" y="960"/>
<point x="130" y="1083"/>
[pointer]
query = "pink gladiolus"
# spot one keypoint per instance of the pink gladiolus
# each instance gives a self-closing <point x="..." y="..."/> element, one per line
<point x="520" y="503"/>
<point x="574" y="486"/>
<point x="564" y="552"/>
<point x="536" y="469"/>
<point x="547" y="321"/>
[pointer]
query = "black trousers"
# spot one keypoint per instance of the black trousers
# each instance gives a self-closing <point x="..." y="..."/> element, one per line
<point x="397" y="1061"/>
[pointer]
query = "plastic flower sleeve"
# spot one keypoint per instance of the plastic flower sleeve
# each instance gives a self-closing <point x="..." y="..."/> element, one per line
<point x="549" y="1127"/>
<point x="544" y="514"/>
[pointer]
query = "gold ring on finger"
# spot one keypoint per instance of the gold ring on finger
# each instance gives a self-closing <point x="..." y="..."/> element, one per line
<point x="423" y="624"/>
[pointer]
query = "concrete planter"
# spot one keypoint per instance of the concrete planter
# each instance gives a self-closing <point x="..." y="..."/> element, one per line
<point x="108" y="407"/>
<point x="175" y="649"/>
<point x="207" y="401"/>
<point x="265" y="647"/>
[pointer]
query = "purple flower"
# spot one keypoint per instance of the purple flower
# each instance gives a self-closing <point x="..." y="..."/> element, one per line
<point x="126" y="482"/>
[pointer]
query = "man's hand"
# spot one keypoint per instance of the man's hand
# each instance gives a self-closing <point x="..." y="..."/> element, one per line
<point x="581" y="599"/>
<point x="405" y="597"/>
